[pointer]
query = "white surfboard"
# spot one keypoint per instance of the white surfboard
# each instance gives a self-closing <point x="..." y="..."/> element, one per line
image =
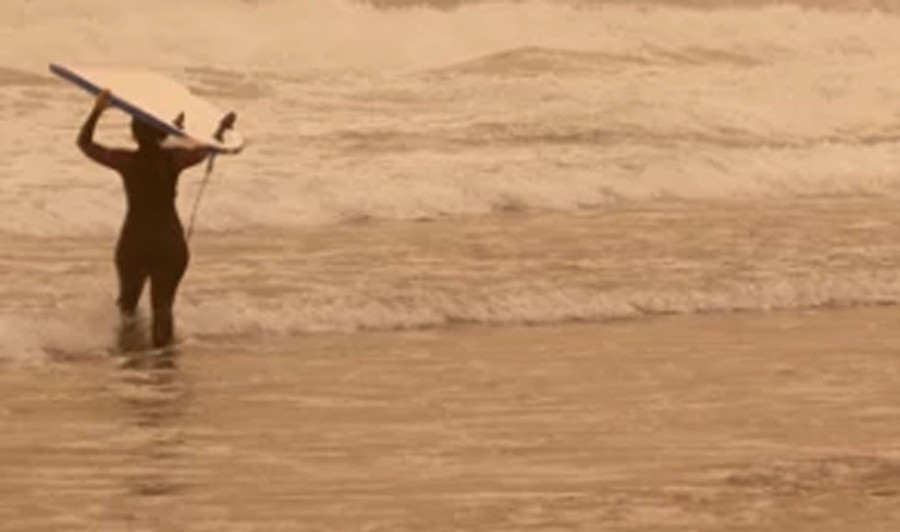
<point x="160" y="101"/>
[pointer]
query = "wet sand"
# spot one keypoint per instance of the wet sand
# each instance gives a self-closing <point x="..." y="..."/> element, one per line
<point x="781" y="421"/>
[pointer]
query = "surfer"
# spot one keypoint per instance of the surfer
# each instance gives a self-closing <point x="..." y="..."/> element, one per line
<point x="152" y="242"/>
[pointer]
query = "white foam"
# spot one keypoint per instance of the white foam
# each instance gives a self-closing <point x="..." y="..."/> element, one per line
<point x="535" y="303"/>
<point x="85" y="325"/>
<point x="73" y="328"/>
<point x="348" y="120"/>
<point x="345" y="34"/>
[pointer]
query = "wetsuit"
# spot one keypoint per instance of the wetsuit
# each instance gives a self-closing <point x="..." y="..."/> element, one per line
<point x="151" y="243"/>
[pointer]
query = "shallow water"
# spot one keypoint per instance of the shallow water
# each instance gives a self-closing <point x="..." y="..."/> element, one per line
<point x="632" y="261"/>
<point x="785" y="421"/>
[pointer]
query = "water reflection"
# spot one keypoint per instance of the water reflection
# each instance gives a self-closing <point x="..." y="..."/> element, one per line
<point x="154" y="396"/>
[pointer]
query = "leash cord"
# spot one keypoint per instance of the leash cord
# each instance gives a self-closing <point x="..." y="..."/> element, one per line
<point x="199" y="196"/>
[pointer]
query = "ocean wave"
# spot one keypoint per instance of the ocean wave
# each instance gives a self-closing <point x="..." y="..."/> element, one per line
<point x="14" y="77"/>
<point x="554" y="131"/>
<point x="246" y="316"/>
<point x="349" y="312"/>
<point x="542" y="61"/>
<point x="88" y="327"/>
<point x="762" y="103"/>
<point x="510" y="36"/>
<point x="626" y="262"/>
<point x="390" y="184"/>
<point x="218" y="83"/>
<point x="847" y="5"/>
<point x="34" y="337"/>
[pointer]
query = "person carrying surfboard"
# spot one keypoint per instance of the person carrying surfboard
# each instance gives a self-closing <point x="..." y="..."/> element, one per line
<point x="152" y="242"/>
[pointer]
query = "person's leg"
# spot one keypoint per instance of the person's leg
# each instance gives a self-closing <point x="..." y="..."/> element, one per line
<point x="132" y="277"/>
<point x="164" y="282"/>
<point x="131" y="283"/>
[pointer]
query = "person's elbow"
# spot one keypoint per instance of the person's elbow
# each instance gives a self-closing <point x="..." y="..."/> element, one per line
<point x="84" y="145"/>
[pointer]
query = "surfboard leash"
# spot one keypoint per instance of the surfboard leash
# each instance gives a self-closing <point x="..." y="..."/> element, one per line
<point x="199" y="196"/>
<point x="225" y="124"/>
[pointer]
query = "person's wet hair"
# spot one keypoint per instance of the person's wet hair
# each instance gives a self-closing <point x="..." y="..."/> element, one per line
<point x="145" y="134"/>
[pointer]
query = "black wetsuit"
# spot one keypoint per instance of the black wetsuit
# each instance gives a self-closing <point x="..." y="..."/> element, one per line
<point x="152" y="242"/>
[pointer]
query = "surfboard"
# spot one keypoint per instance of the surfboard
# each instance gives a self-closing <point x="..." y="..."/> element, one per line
<point x="159" y="101"/>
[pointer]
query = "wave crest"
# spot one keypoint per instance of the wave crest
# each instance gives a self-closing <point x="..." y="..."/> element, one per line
<point x="540" y="61"/>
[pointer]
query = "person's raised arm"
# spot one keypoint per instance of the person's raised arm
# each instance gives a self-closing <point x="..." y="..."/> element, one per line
<point x="101" y="154"/>
<point x="188" y="157"/>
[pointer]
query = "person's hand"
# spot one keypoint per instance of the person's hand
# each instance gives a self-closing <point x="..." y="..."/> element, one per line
<point x="225" y="124"/>
<point x="103" y="100"/>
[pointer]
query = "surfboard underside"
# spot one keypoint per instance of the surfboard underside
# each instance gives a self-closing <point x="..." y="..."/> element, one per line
<point x="157" y="101"/>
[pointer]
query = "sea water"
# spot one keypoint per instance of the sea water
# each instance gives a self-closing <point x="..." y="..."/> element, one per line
<point x="458" y="172"/>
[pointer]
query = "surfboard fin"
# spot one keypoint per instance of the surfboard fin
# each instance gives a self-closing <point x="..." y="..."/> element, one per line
<point x="179" y="120"/>
<point x="225" y="124"/>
